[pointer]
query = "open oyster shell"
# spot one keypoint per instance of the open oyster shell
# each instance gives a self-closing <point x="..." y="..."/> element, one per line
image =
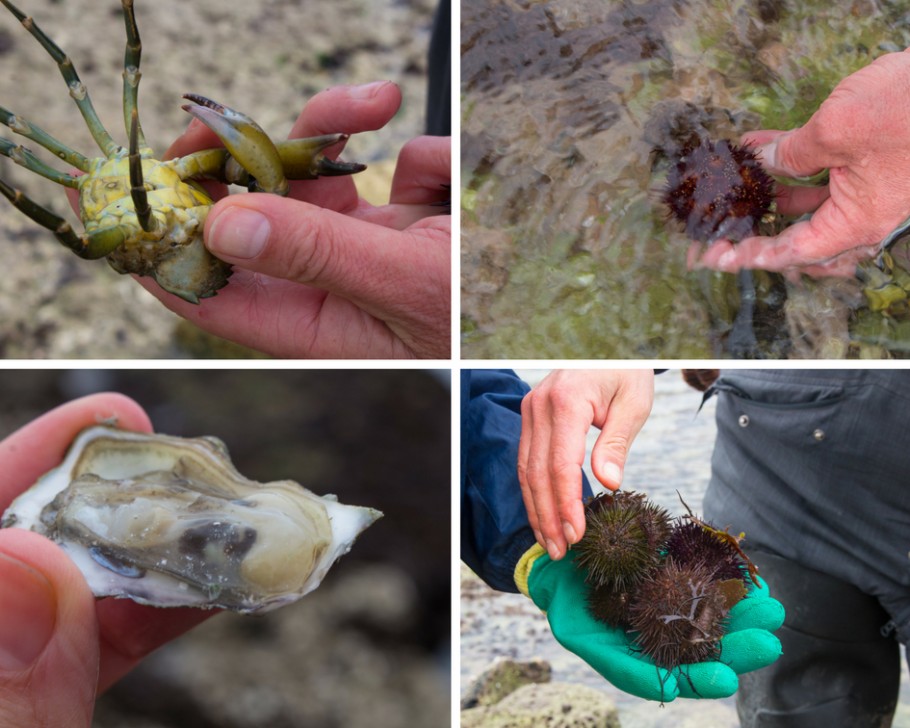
<point x="169" y="521"/>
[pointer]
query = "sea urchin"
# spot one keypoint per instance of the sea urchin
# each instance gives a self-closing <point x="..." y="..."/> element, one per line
<point x="623" y="537"/>
<point x="679" y="614"/>
<point x="718" y="190"/>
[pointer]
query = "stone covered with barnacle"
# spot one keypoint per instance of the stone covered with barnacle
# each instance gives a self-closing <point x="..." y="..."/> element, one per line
<point x="169" y="521"/>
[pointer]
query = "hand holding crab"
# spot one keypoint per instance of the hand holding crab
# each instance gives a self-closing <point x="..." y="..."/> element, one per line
<point x="58" y="646"/>
<point x="321" y="273"/>
<point x="370" y="283"/>
<point x="860" y="134"/>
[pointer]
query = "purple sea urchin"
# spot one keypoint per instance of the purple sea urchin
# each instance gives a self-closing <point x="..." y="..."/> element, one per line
<point x="718" y="190"/>
<point x="622" y="541"/>
<point x="679" y="614"/>
<point x="609" y="606"/>
<point x="690" y="543"/>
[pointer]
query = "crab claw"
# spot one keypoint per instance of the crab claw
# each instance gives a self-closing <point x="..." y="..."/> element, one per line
<point x="245" y="140"/>
<point x="303" y="158"/>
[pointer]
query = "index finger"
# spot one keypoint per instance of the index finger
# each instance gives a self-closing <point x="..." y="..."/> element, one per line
<point x="827" y="234"/>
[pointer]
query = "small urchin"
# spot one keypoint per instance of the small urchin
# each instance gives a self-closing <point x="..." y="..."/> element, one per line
<point x="624" y="533"/>
<point x="718" y="189"/>
<point x="690" y="543"/>
<point x="679" y="614"/>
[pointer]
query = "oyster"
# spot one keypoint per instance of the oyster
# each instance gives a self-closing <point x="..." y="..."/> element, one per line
<point x="169" y="521"/>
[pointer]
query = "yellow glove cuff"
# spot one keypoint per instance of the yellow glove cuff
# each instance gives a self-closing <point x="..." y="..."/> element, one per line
<point x="524" y="566"/>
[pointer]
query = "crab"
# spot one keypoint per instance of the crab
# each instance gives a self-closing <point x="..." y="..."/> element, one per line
<point x="145" y="215"/>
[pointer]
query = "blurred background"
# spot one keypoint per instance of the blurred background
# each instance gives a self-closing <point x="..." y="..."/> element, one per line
<point x="262" y="57"/>
<point x="370" y="647"/>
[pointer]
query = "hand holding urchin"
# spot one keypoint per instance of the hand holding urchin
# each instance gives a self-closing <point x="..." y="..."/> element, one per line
<point x="672" y="588"/>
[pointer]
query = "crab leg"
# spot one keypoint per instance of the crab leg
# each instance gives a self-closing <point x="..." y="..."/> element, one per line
<point x="96" y="244"/>
<point x="77" y="88"/>
<point x="39" y="136"/>
<point x="137" y="184"/>
<point x="245" y="140"/>
<point x="131" y="74"/>
<point x="22" y="156"/>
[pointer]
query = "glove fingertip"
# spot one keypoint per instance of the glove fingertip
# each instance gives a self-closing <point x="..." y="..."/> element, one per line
<point x="749" y="650"/>
<point x="756" y="613"/>
<point x="707" y="680"/>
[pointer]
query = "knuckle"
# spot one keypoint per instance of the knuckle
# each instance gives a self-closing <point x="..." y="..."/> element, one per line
<point x="310" y="254"/>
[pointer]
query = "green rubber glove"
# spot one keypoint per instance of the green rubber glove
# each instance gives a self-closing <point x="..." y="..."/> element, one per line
<point x="559" y="589"/>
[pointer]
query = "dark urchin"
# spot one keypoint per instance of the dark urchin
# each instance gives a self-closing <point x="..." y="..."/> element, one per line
<point x="718" y="190"/>
<point x="610" y="606"/>
<point x="679" y="613"/>
<point x="691" y="543"/>
<point x="624" y="533"/>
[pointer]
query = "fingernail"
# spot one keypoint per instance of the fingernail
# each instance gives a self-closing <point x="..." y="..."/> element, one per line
<point x="367" y="90"/>
<point x="768" y="153"/>
<point x="567" y="529"/>
<point x="553" y="550"/>
<point x="613" y="473"/>
<point x="28" y="608"/>
<point x="238" y="233"/>
<point x="539" y="536"/>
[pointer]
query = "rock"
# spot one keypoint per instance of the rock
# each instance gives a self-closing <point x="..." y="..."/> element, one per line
<point x="555" y="705"/>
<point x="503" y="677"/>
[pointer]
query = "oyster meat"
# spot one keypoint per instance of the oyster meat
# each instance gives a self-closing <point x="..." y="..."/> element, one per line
<point x="168" y="521"/>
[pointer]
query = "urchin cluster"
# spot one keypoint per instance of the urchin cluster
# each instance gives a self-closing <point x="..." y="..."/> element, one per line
<point x="718" y="190"/>
<point x="671" y="583"/>
<point x="622" y="543"/>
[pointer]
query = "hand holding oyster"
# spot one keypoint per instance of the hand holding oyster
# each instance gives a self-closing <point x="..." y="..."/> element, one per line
<point x="168" y="521"/>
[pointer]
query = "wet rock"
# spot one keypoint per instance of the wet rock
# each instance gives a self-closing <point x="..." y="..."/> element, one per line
<point x="503" y="677"/>
<point x="556" y="705"/>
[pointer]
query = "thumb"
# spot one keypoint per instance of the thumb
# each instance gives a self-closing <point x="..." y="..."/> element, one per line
<point x="48" y="636"/>
<point x="608" y="456"/>
<point x="296" y="241"/>
<point x="802" y="152"/>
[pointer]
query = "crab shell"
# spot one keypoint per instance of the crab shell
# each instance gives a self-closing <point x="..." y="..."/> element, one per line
<point x="168" y="521"/>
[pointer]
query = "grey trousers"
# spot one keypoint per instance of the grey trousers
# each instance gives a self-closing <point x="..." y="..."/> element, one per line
<point x="814" y="467"/>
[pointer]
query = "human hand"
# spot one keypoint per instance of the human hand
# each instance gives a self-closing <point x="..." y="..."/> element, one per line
<point x="861" y="133"/>
<point x="555" y="418"/>
<point x="559" y="589"/>
<point x="58" y="645"/>
<point x="321" y="273"/>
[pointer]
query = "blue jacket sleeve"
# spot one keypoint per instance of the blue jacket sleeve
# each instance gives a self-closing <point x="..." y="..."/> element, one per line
<point x="494" y="524"/>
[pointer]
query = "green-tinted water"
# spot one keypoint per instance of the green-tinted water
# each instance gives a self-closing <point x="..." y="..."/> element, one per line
<point x="566" y="249"/>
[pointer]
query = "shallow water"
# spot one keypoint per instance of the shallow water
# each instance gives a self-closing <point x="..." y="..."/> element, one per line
<point x="672" y="452"/>
<point x="566" y="249"/>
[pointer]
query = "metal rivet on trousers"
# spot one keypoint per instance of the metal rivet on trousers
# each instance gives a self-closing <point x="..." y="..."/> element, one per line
<point x="744" y="420"/>
<point x="819" y="435"/>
